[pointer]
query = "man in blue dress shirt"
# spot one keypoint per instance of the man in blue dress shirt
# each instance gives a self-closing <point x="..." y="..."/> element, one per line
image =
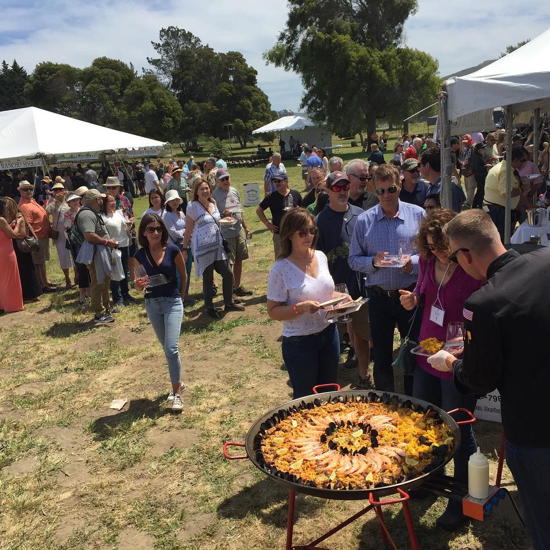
<point x="389" y="228"/>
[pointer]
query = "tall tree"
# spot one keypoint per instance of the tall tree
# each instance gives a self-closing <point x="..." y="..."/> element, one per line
<point x="55" y="87"/>
<point x="371" y="76"/>
<point x="12" y="86"/>
<point x="216" y="90"/>
<point x="514" y="47"/>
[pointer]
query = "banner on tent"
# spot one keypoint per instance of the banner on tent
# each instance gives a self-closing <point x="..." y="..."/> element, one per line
<point x="137" y="153"/>
<point x="74" y="158"/>
<point x="24" y="163"/>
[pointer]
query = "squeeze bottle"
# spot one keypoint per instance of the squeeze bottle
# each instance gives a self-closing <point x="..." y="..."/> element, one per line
<point x="478" y="475"/>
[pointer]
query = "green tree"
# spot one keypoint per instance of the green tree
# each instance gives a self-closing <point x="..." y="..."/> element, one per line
<point x="151" y="109"/>
<point x="55" y="87"/>
<point x="371" y="77"/>
<point x="510" y="49"/>
<point x="216" y="90"/>
<point x="13" y="80"/>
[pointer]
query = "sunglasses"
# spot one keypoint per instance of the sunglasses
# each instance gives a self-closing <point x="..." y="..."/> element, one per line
<point x="452" y="256"/>
<point x="414" y="171"/>
<point x="361" y="178"/>
<point x="26" y="190"/>
<point x="338" y="187"/>
<point x="154" y="229"/>
<point x="305" y="232"/>
<point x="392" y="190"/>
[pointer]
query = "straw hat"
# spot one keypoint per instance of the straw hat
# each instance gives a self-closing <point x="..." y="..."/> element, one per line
<point x="47" y="179"/>
<point x="81" y="190"/>
<point x="24" y="184"/>
<point x="58" y="185"/>
<point x="58" y="179"/>
<point x="112" y="181"/>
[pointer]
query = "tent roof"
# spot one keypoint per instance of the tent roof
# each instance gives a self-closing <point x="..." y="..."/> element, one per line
<point x="291" y="122"/>
<point x="520" y="79"/>
<point x="30" y="131"/>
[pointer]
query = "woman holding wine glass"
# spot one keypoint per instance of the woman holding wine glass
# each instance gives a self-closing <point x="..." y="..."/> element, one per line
<point x="441" y="291"/>
<point x="155" y="266"/>
<point x="299" y="282"/>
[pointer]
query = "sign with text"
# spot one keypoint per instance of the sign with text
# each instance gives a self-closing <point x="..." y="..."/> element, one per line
<point x="251" y="194"/>
<point x="23" y="163"/>
<point x="488" y="407"/>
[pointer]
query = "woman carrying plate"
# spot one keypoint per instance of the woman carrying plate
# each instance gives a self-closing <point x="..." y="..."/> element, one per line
<point x="299" y="282"/>
<point x="442" y="289"/>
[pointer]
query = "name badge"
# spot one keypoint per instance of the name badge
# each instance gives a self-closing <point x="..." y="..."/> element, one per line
<point x="437" y="315"/>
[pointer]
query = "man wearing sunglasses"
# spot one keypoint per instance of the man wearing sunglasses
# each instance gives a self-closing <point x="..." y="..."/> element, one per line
<point x="357" y="171"/>
<point x="506" y="330"/>
<point x="414" y="189"/>
<point x="389" y="228"/>
<point x="336" y="223"/>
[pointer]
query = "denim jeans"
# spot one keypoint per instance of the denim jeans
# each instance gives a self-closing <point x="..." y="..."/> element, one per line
<point x="311" y="359"/>
<point x="385" y="313"/>
<point x="221" y="267"/>
<point x="166" y="315"/>
<point x="119" y="289"/>
<point x="444" y="394"/>
<point x="530" y="467"/>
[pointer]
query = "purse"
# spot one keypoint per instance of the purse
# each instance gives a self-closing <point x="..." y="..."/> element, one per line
<point x="29" y="243"/>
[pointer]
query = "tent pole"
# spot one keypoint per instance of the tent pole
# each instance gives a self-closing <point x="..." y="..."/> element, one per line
<point x="536" y="135"/>
<point x="508" y="210"/>
<point x="445" y="138"/>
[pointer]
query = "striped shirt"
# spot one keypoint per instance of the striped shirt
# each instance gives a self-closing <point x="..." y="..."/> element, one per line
<point x="374" y="232"/>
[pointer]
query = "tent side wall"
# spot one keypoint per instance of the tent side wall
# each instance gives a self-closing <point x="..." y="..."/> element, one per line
<point x="312" y="135"/>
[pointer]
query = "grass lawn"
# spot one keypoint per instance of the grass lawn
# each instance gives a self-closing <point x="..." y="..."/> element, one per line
<point x="76" y="474"/>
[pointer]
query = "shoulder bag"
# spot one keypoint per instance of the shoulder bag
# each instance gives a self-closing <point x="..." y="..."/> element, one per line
<point x="29" y="243"/>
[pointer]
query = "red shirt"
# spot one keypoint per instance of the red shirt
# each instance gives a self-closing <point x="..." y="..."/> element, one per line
<point x="36" y="217"/>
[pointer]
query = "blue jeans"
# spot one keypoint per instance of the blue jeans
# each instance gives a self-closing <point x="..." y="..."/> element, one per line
<point x="166" y="315"/>
<point x="311" y="359"/>
<point x="530" y="467"/>
<point x="444" y="394"/>
<point x="119" y="289"/>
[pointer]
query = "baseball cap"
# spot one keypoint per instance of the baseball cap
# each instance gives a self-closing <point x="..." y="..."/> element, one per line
<point x="466" y="138"/>
<point x="409" y="164"/>
<point x="221" y="173"/>
<point x="336" y="177"/>
<point x="92" y="194"/>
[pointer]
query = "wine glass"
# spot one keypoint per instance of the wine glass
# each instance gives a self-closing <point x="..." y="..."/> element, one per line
<point x="343" y="288"/>
<point x="404" y="250"/>
<point x="140" y="274"/>
<point x="455" y="338"/>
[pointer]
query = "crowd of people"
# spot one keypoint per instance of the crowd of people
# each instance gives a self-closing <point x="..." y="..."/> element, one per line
<point x="362" y="228"/>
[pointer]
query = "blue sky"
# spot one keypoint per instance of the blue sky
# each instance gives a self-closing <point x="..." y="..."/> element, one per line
<point x="458" y="35"/>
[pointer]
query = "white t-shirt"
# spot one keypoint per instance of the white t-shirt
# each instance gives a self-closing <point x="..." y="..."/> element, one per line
<point x="289" y="285"/>
<point x="151" y="211"/>
<point x="117" y="228"/>
<point x="150" y="179"/>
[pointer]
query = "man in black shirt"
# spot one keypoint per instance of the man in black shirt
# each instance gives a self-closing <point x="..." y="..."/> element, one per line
<point x="414" y="189"/>
<point x="358" y="174"/>
<point x="506" y="331"/>
<point x="335" y="224"/>
<point x="278" y="202"/>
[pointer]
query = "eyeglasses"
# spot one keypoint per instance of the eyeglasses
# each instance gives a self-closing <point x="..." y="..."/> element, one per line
<point x="337" y="188"/>
<point x="452" y="255"/>
<point x="305" y="232"/>
<point x="392" y="190"/>
<point x="154" y="229"/>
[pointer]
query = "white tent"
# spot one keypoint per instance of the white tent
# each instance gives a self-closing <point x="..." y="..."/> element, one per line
<point x="31" y="132"/>
<point x="519" y="82"/>
<point x="301" y="128"/>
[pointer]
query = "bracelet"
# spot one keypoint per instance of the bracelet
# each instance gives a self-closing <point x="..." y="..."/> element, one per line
<point x="295" y="310"/>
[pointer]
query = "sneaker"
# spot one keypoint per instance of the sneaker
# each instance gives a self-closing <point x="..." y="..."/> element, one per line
<point x="103" y="319"/>
<point x="177" y="403"/>
<point x="234" y="307"/>
<point x="240" y="291"/>
<point x="171" y="396"/>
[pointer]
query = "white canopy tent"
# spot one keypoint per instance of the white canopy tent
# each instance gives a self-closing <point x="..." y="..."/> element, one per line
<point x="301" y="128"/>
<point x="31" y="132"/>
<point x="519" y="82"/>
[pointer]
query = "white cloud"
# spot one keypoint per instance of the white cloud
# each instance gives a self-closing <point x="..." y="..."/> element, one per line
<point x="76" y="32"/>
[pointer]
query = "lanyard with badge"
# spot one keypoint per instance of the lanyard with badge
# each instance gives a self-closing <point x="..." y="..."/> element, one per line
<point x="437" y="313"/>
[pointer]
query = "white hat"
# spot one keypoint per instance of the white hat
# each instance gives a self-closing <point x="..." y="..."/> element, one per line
<point x="81" y="190"/>
<point x="72" y="197"/>
<point x="171" y="195"/>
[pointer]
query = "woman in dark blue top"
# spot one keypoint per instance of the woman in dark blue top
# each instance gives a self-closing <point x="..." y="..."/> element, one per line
<point x="155" y="266"/>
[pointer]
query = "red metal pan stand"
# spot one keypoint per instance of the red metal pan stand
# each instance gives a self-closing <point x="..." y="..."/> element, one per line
<point x="375" y="505"/>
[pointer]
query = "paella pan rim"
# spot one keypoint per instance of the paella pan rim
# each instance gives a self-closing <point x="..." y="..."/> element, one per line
<point x="350" y="494"/>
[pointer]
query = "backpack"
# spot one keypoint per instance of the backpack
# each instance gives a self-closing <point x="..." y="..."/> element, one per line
<point x="75" y="237"/>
